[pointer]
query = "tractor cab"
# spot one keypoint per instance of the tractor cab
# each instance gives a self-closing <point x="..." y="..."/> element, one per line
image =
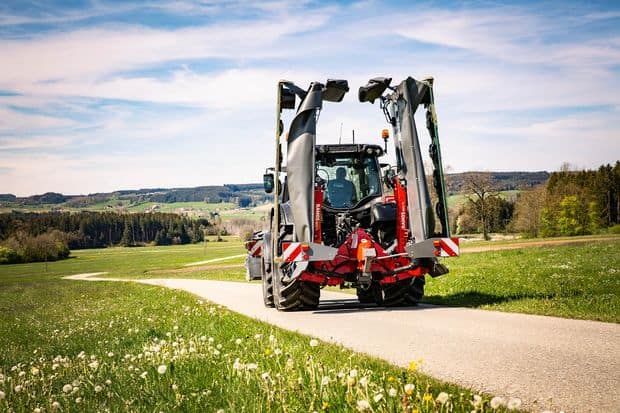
<point x="350" y="175"/>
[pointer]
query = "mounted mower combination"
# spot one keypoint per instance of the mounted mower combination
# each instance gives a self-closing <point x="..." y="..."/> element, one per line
<point x="342" y="218"/>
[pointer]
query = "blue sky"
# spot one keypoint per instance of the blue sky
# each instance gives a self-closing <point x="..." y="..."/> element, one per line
<point x="103" y="95"/>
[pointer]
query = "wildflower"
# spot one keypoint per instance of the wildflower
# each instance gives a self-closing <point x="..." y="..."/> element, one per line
<point x="211" y="340"/>
<point x="267" y="351"/>
<point x="413" y="366"/>
<point x="78" y="400"/>
<point x="353" y="373"/>
<point x="277" y="352"/>
<point x="2" y="395"/>
<point x="252" y="366"/>
<point x="392" y="392"/>
<point x="18" y="388"/>
<point x="203" y="338"/>
<point x="513" y="404"/>
<point x="220" y="411"/>
<point x="497" y="402"/>
<point x="143" y="375"/>
<point x="258" y="336"/>
<point x="108" y="382"/>
<point x="378" y="397"/>
<point x="314" y="343"/>
<point x="477" y="400"/>
<point x="237" y="365"/>
<point x="55" y="405"/>
<point x="37" y="410"/>
<point x="364" y="381"/>
<point x="427" y="397"/>
<point x="216" y="352"/>
<point x="162" y="369"/>
<point x="272" y="338"/>
<point x="175" y="328"/>
<point x="94" y="365"/>
<point x="98" y="389"/>
<point x="174" y="387"/>
<point x="325" y="405"/>
<point x="351" y="381"/>
<point x="391" y="379"/>
<point x="110" y="354"/>
<point x="409" y="388"/>
<point x="67" y="388"/>
<point x="219" y="347"/>
<point x="34" y="371"/>
<point x="325" y="381"/>
<point x="442" y="397"/>
<point x="22" y="374"/>
<point x="363" y="405"/>
<point x="265" y="376"/>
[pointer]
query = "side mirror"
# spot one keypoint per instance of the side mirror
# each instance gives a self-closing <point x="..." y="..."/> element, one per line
<point x="373" y="89"/>
<point x="268" y="183"/>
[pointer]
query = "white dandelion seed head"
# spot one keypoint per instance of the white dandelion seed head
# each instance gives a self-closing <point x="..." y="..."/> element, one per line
<point x="258" y="336"/>
<point x="219" y="347"/>
<point x="55" y="405"/>
<point x="93" y="365"/>
<point x="2" y="395"/>
<point x="220" y="411"/>
<point x="392" y="392"/>
<point x="98" y="389"/>
<point x="67" y="388"/>
<point x="497" y="402"/>
<point x="162" y="369"/>
<point x="174" y="386"/>
<point x="78" y="400"/>
<point x="514" y="403"/>
<point x="143" y="375"/>
<point x="265" y="376"/>
<point x="34" y="371"/>
<point x="364" y="381"/>
<point x="277" y="352"/>
<point x="175" y="328"/>
<point x="272" y="338"/>
<point x="442" y="397"/>
<point x="378" y="397"/>
<point x="238" y="341"/>
<point x="110" y="354"/>
<point x="18" y="388"/>
<point x="216" y="352"/>
<point x="252" y="366"/>
<point x="22" y="374"/>
<point x="325" y="381"/>
<point x="409" y="388"/>
<point x="363" y="405"/>
<point x="314" y="342"/>
<point x="353" y="373"/>
<point x="108" y="382"/>
<point x="477" y="400"/>
<point x="203" y="338"/>
<point x="211" y="339"/>
<point x="36" y="410"/>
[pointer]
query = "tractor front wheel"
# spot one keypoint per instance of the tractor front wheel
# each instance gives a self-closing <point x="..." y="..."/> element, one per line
<point x="267" y="286"/>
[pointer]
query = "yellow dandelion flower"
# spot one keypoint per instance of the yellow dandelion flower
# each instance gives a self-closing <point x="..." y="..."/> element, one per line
<point x="413" y="366"/>
<point x="391" y="379"/>
<point x="428" y="397"/>
<point x="415" y="411"/>
<point x="325" y="405"/>
<point x="267" y="351"/>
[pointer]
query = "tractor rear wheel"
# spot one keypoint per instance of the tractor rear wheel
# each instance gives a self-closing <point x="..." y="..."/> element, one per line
<point x="267" y="286"/>
<point x="294" y="294"/>
<point x="415" y="290"/>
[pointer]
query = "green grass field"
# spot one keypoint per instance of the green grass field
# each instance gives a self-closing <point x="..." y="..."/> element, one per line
<point x="98" y="346"/>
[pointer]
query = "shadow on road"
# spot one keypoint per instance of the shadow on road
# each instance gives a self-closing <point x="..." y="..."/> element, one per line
<point x="354" y="306"/>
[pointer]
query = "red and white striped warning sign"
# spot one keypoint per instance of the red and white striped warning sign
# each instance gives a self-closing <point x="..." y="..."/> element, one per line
<point x="254" y="248"/>
<point x="293" y="251"/>
<point x="449" y="247"/>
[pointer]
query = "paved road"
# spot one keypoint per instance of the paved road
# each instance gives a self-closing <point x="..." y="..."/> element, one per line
<point x="573" y="363"/>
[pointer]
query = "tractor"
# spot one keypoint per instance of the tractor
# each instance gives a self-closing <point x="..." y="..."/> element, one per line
<point x="340" y="216"/>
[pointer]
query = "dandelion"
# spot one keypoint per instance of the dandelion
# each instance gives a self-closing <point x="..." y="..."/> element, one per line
<point x="413" y="366"/>
<point x="211" y="340"/>
<point x="314" y="343"/>
<point x="392" y="392"/>
<point x="78" y="400"/>
<point x="427" y="397"/>
<point x="267" y="351"/>
<point x="364" y="381"/>
<point x="162" y="369"/>
<point x="353" y="373"/>
<point x="497" y="402"/>
<point x="143" y="375"/>
<point x="351" y="381"/>
<point x="325" y="405"/>
<point x="265" y="376"/>
<point x="2" y="395"/>
<point x="252" y="366"/>
<point x="175" y="328"/>
<point x="216" y="352"/>
<point x="378" y="397"/>
<point x="409" y="388"/>
<point x="477" y="400"/>
<point x="174" y="387"/>
<point x="67" y="388"/>
<point x="37" y="410"/>
<point x="237" y="365"/>
<point x="513" y="404"/>
<point x="325" y="381"/>
<point x="220" y="411"/>
<point x="272" y="338"/>
<point x="238" y="341"/>
<point x="34" y="371"/>
<point x="22" y="374"/>
<point x="93" y="365"/>
<point x="98" y="389"/>
<point x="110" y="354"/>
<point x="108" y="382"/>
<point x="258" y="336"/>
<point x="55" y="405"/>
<point x="442" y="397"/>
<point x="277" y="351"/>
<point x="18" y="388"/>
<point x="363" y="405"/>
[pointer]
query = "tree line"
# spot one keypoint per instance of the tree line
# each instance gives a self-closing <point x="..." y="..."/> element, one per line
<point x="22" y="233"/>
<point x="569" y="203"/>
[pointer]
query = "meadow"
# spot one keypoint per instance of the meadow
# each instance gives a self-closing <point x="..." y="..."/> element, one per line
<point x="109" y="346"/>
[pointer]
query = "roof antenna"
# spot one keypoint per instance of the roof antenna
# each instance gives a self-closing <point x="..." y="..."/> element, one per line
<point x="340" y="138"/>
<point x="353" y="131"/>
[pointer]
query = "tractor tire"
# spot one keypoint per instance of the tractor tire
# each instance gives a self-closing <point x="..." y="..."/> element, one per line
<point x="407" y="292"/>
<point x="268" y="287"/>
<point x="415" y="292"/>
<point x="372" y="295"/>
<point x="295" y="295"/>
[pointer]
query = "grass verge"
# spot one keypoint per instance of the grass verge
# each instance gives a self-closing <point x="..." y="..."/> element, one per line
<point x="83" y="346"/>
